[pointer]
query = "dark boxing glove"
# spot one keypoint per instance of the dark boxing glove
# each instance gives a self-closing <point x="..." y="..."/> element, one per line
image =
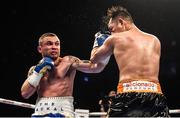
<point x="100" y="37"/>
<point x="40" y="69"/>
<point x="45" y="64"/>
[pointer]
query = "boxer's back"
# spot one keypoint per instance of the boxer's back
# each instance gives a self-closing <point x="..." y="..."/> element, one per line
<point x="137" y="55"/>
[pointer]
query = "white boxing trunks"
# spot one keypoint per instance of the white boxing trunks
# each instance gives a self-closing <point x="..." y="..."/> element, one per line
<point x="54" y="105"/>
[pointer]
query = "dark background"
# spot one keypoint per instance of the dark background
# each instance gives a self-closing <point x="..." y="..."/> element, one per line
<point x="76" y="22"/>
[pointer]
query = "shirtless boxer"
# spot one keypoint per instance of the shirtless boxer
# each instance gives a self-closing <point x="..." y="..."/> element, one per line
<point x="53" y="79"/>
<point x="138" y="57"/>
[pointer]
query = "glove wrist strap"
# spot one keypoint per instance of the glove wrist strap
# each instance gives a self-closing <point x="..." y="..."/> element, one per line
<point x="34" y="79"/>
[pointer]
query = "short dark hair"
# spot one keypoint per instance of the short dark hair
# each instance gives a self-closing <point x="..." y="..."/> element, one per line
<point x="118" y="10"/>
<point x="46" y="35"/>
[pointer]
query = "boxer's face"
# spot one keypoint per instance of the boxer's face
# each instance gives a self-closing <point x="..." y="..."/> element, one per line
<point x="111" y="26"/>
<point x="116" y="25"/>
<point x="50" y="46"/>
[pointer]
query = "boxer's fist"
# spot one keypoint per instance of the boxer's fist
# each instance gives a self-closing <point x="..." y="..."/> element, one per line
<point x="100" y="37"/>
<point x="45" y="64"/>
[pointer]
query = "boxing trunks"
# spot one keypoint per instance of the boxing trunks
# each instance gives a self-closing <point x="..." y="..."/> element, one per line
<point x="54" y="107"/>
<point x="139" y="99"/>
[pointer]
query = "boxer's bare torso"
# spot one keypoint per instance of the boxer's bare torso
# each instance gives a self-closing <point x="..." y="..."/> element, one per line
<point x="136" y="53"/>
<point x="56" y="83"/>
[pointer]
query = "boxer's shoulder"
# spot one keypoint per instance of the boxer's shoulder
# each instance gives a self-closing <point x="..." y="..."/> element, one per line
<point x="57" y="61"/>
<point x="68" y="59"/>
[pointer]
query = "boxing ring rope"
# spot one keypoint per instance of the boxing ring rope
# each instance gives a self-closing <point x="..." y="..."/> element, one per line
<point x="16" y="103"/>
<point x="31" y="106"/>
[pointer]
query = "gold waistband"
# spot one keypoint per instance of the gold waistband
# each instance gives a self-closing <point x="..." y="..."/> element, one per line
<point x="139" y="86"/>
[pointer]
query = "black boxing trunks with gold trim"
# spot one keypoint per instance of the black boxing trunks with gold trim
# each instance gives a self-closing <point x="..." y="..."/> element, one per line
<point x="140" y="104"/>
<point x="139" y="99"/>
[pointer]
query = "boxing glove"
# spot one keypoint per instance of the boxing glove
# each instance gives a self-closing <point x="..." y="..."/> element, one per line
<point x="100" y="37"/>
<point x="40" y="69"/>
<point x="45" y="64"/>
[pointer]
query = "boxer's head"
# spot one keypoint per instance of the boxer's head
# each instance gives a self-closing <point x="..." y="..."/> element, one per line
<point x="119" y="18"/>
<point x="49" y="45"/>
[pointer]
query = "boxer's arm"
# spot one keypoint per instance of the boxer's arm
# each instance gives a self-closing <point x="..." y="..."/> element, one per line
<point x="28" y="90"/>
<point x="35" y="74"/>
<point x="83" y="65"/>
<point x="86" y="66"/>
<point x="102" y="50"/>
<point x="91" y="68"/>
<point x="102" y="53"/>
